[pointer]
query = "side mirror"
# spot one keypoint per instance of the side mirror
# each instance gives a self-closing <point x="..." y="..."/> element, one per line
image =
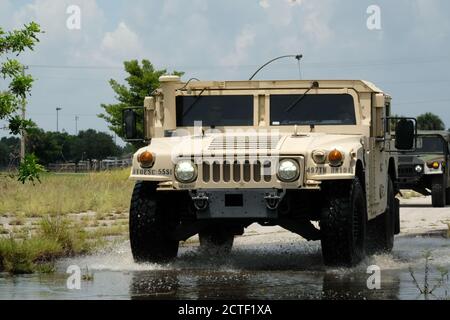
<point x="405" y="134"/>
<point x="129" y="123"/>
<point x="129" y="117"/>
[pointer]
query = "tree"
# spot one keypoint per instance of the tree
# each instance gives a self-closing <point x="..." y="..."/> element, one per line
<point x="142" y="80"/>
<point x="18" y="87"/>
<point x="60" y="147"/>
<point x="9" y="151"/>
<point x="91" y="144"/>
<point x="50" y="147"/>
<point x="430" y="121"/>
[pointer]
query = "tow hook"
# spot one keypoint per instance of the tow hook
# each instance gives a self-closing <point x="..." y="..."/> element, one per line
<point x="273" y="201"/>
<point x="201" y="201"/>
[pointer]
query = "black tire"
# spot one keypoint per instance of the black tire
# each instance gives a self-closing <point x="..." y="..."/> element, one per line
<point x="216" y="241"/>
<point x="438" y="192"/>
<point x="397" y="217"/>
<point x="447" y="196"/>
<point x="153" y="218"/>
<point x="381" y="230"/>
<point x="343" y="225"/>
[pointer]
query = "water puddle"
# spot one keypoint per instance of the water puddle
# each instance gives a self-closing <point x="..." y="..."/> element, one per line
<point x="277" y="270"/>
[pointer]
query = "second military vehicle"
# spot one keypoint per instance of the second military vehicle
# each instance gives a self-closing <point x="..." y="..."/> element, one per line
<point x="426" y="170"/>
<point x="310" y="156"/>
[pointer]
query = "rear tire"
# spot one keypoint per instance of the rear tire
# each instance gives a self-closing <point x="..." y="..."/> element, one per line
<point x="447" y="196"/>
<point x="153" y="218"/>
<point x="343" y="225"/>
<point x="438" y="192"/>
<point x="216" y="241"/>
<point x="381" y="230"/>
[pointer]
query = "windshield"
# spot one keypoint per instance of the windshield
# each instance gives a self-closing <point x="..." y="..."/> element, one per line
<point x="430" y="145"/>
<point x="215" y="111"/>
<point x="317" y="109"/>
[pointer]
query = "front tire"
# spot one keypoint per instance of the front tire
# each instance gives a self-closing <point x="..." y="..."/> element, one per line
<point x="438" y="192"/>
<point x="343" y="225"/>
<point x="153" y="218"/>
<point x="382" y="229"/>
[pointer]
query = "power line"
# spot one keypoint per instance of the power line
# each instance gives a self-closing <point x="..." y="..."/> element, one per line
<point x="316" y="64"/>
<point x="423" y="101"/>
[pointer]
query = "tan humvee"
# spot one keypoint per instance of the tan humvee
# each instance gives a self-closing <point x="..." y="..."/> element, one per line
<point x="225" y="154"/>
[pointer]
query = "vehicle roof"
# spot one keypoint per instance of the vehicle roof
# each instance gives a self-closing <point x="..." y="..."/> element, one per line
<point x="358" y="85"/>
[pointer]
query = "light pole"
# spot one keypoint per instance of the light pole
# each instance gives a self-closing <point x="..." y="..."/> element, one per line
<point x="298" y="57"/>
<point x="57" y="118"/>
<point x="76" y="125"/>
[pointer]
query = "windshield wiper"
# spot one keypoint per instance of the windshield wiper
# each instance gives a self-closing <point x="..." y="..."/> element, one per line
<point x="314" y="85"/>
<point x="193" y="103"/>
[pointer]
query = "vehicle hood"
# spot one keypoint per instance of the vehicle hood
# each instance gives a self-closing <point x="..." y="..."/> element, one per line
<point x="244" y="144"/>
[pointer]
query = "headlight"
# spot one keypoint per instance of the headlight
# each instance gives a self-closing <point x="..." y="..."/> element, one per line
<point x="185" y="171"/>
<point x="336" y="158"/>
<point x="419" y="169"/>
<point x="288" y="170"/>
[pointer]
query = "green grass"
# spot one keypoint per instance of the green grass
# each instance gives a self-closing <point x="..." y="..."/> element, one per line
<point x="3" y="231"/>
<point x="103" y="193"/>
<point x="23" y="257"/>
<point x="59" y="231"/>
<point x="70" y="235"/>
<point x="56" y="237"/>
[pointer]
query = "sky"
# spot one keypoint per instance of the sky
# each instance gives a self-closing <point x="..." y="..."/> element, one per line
<point x="404" y="48"/>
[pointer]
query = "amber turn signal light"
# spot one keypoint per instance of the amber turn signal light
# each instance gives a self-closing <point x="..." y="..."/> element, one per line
<point x="146" y="159"/>
<point x="433" y="165"/>
<point x="335" y="158"/>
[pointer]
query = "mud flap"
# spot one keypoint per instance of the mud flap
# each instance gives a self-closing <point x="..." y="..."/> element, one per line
<point x="397" y="216"/>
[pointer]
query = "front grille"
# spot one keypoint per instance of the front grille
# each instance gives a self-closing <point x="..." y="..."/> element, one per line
<point x="237" y="171"/>
<point x="406" y="159"/>
<point x="407" y="171"/>
<point x="245" y="143"/>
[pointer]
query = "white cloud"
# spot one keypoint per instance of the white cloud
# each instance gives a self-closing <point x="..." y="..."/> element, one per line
<point x="242" y="45"/>
<point x="117" y="46"/>
<point x="315" y="24"/>
<point x="264" y="4"/>
<point x="280" y="13"/>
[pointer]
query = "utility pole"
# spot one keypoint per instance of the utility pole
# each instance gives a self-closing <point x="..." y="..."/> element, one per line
<point x="57" y="118"/>
<point x="22" y="132"/>
<point x="76" y="125"/>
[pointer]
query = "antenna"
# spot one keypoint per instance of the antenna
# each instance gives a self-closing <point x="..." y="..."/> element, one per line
<point x="298" y="57"/>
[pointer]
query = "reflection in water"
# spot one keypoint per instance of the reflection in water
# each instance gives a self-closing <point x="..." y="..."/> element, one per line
<point x="354" y="287"/>
<point x="262" y="285"/>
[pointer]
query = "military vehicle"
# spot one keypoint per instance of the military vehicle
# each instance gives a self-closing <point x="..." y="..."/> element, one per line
<point x="313" y="157"/>
<point x="425" y="170"/>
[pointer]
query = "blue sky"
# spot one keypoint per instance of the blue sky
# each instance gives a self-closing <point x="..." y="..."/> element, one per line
<point x="409" y="57"/>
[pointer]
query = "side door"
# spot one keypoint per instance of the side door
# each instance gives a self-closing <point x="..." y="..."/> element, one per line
<point x="379" y="158"/>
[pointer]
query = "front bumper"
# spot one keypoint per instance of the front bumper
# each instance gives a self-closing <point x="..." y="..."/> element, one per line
<point x="237" y="204"/>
